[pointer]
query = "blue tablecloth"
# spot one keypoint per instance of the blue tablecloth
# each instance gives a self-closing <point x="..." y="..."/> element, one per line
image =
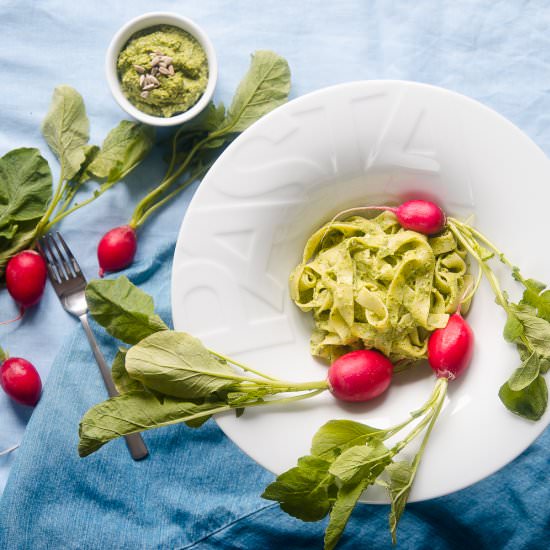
<point x="198" y="490"/>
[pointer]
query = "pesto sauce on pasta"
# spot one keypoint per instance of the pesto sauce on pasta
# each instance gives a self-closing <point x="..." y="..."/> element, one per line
<point x="372" y="284"/>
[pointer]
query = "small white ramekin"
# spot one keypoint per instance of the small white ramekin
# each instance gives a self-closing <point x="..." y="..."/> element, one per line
<point x="150" y="20"/>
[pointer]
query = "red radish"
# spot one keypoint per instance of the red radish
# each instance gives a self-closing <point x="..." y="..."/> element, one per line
<point x="360" y="375"/>
<point x="117" y="249"/>
<point x="26" y="277"/>
<point x="421" y="216"/>
<point x="21" y="381"/>
<point x="417" y="215"/>
<point x="450" y="349"/>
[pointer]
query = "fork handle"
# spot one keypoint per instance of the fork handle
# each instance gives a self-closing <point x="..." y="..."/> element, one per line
<point x="135" y="442"/>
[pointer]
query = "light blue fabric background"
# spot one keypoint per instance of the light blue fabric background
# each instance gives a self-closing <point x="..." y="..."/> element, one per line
<point x="198" y="490"/>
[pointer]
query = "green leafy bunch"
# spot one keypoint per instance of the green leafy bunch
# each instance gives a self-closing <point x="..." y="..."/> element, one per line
<point x="527" y="326"/>
<point x="29" y="205"/>
<point x="168" y="377"/>
<point x="346" y="458"/>
<point x="195" y="146"/>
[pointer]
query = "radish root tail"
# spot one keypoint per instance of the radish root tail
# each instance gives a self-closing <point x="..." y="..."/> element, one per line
<point x="18" y="318"/>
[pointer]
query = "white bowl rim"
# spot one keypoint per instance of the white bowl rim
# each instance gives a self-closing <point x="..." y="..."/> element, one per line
<point x="186" y="229"/>
<point x="142" y="22"/>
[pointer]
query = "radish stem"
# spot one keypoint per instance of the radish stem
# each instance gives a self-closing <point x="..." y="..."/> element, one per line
<point x="435" y="404"/>
<point x="181" y="187"/>
<point x="470" y="247"/>
<point x="468" y="241"/>
<point x="244" y="367"/>
<point x="169" y="178"/>
<point x="485" y="241"/>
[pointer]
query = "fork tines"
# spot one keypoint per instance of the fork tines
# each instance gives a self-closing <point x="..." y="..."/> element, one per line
<point x="62" y="265"/>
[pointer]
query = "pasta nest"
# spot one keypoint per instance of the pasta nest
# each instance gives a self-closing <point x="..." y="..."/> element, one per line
<point x="372" y="284"/>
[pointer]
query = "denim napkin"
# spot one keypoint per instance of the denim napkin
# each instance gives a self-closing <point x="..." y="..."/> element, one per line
<point x="197" y="490"/>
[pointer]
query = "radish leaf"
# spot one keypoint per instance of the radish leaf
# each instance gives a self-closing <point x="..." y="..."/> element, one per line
<point x="530" y="402"/>
<point x="23" y="239"/>
<point x="177" y="364"/>
<point x="544" y="364"/>
<point x="125" y="311"/>
<point x="121" y="378"/>
<point x="82" y="176"/>
<point x="264" y="87"/>
<point x="361" y="461"/>
<point x="305" y="491"/>
<point x="338" y="435"/>
<point x="25" y="191"/>
<point x="66" y="129"/>
<point x="346" y="499"/>
<point x="534" y="297"/>
<point x="125" y="147"/>
<point x="535" y="329"/>
<point x="401" y="476"/>
<point x="525" y="374"/>
<point x="132" y="412"/>
<point x="513" y="329"/>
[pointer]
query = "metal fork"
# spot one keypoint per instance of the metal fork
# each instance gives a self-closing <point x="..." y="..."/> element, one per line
<point x="69" y="283"/>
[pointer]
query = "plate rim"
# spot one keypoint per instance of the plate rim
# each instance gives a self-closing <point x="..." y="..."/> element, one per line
<point x="305" y="98"/>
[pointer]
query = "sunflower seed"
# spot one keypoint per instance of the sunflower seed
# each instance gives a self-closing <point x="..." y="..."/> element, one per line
<point x="141" y="80"/>
<point x="139" y="69"/>
<point x="164" y="70"/>
<point x="155" y="61"/>
<point x="153" y="80"/>
<point x="166" y="59"/>
<point x="144" y="95"/>
<point x="171" y="70"/>
<point x="148" y="87"/>
<point x="155" y="71"/>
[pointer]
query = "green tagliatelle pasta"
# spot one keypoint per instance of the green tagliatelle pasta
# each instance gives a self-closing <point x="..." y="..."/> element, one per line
<point x="372" y="284"/>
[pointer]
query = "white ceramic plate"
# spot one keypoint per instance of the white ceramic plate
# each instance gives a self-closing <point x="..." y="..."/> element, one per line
<point x="354" y="144"/>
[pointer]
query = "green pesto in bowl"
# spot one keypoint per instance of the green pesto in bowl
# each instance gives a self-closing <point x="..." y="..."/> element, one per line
<point x="163" y="70"/>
